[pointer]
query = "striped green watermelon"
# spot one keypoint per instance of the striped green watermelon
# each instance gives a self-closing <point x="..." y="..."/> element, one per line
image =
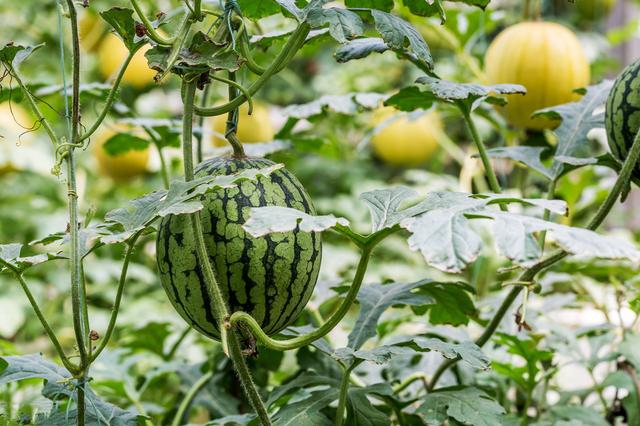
<point x="622" y="118"/>
<point x="270" y="277"/>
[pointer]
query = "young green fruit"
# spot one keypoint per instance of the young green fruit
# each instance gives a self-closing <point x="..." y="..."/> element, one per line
<point x="270" y="277"/>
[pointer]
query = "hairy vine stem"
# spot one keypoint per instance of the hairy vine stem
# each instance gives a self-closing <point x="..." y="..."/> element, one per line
<point x="78" y="289"/>
<point x="116" y="304"/>
<point x="332" y="322"/>
<point x="484" y="156"/>
<point x="344" y="392"/>
<point x="624" y="178"/>
<point x="219" y="307"/>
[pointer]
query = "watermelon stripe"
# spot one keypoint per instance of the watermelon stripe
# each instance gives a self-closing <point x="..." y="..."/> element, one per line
<point x="622" y="118"/>
<point x="271" y="277"/>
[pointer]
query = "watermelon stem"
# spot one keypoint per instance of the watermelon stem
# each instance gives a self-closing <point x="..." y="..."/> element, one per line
<point x="326" y="328"/>
<point x="484" y="156"/>
<point x="229" y="340"/>
<point x="624" y="178"/>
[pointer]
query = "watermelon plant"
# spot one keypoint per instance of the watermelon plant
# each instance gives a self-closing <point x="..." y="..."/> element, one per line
<point x="424" y="244"/>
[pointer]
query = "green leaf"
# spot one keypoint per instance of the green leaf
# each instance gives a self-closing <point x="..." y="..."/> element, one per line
<point x="308" y="411"/>
<point x="384" y="206"/>
<point x="236" y="419"/>
<point x="467" y="96"/>
<point x="98" y="412"/>
<point x="467" y="351"/>
<point x="257" y="9"/>
<point x="436" y="7"/>
<point x="374" y="299"/>
<point x="122" y="143"/>
<point x="202" y="55"/>
<point x="304" y="380"/>
<point x="344" y="25"/>
<point x="14" y="54"/>
<point x="360" y="48"/>
<point x="379" y="355"/>
<point x="291" y="7"/>
<point x="151" y="337"/>
<point x="396" y="32"/>
<point x="447" y="241"/>
<point x="121" y="19"/>
<point x="273" y="219"/>
<point x="515" y="236"/>
<point x="181" y="198"/>
<point x="384" y="5"/>
<point x="578" y="119"/>
<point x="453" y="304"/>
<point x="426" y="8"/>
<point x="527" y="155"/>
<point x="10" y="253"/>
<point x="443" y="234"/>
<point x="360" y="410"/>
<point x="32" y="366"/>
<point x="583" y="415"/>
<point x="468" y="406"/>
<point x="167" y="132"/>
<point x="349" y="104"/>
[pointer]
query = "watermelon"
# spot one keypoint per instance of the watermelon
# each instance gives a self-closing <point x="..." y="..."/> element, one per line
<point x="622" y="117"/>
<point x="270" y="277"/>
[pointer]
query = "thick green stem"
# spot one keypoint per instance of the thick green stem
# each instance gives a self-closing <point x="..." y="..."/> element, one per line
<point x="189" y="397"/>
<point x="245" y="50"/>
<point x="111" y="97"/>
<point x="482" y="150"/>
<point x="151" y="32"/>
<point x="200" y="121"/>
<point x="43" y="320"/>
<point x="332" y="322"/>
<point x="78" y="295"/>
<point x="229" y="339"/>
<point x="78" y="290"/>
<point x="527" y="276"/>
<point x="295" y="42"/>
<point x="232" y="121"/>
<point x="246" y="380"/>
<point x="116" y="304"/>
<point x="344" y="393"/>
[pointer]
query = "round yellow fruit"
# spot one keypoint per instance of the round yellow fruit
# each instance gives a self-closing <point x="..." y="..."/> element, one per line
<point x="253" y="128"/>
<point x="120" y="167"/>
<point x="547" y="59"/>
<point x="406" y="141"/>
<point x="92" y="29"/>
<point x="111" y="55"/>
<point x="15" y="137"/>
<point x="592" y="10"/>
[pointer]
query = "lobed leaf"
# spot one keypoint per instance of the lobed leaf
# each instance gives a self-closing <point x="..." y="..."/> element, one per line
<point x="468" y="406"/>
<point x="272" y="219"/>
